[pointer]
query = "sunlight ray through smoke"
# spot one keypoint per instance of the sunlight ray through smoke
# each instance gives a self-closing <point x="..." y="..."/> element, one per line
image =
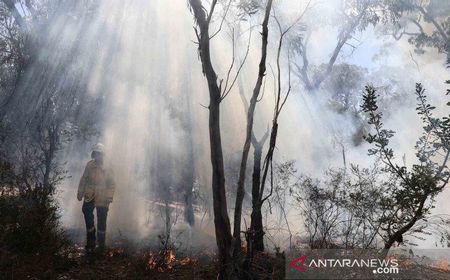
<point x="144" y="68"/>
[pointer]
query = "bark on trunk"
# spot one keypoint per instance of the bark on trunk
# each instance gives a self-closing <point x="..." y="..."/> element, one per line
<point x="50" y="135"/>
<point x="189" y="210"/>
<point x="256" y="235"/>
<point x="190" y="168"/>
<point x="245" y="151"/>
<point x="221" y="220"/>
<point x="398" y="235"/>
<point x="269" y="157"/>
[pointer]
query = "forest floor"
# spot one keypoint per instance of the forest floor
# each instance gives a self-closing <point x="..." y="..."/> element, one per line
<point x="122" y="263"/>
<point x="117" y="263"/>
<point x="113" y="264"/>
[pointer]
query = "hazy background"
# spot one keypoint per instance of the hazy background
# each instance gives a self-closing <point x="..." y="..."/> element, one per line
<point x="142" y="61"/>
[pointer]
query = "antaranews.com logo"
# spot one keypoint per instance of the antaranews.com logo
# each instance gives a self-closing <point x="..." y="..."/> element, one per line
<point x="339" y="264"/>
<point x="389" y="266"/>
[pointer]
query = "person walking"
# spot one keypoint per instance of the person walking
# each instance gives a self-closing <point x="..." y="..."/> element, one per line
<point x="97" y="188"/>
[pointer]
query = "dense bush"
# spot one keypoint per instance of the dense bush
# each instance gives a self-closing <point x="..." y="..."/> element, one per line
<point x="29" y="223"/>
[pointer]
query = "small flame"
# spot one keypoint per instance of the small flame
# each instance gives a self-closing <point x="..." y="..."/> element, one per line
<point x="408" y="264"/>
<point x="170" y="256"/>
<point x="166" y="260"/>
<point x="187" y="261"/>
<point x="114" y="252"/>
<point x="443" y="265"/>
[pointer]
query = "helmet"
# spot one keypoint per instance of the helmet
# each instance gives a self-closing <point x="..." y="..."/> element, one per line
<point x="99" y="147"/>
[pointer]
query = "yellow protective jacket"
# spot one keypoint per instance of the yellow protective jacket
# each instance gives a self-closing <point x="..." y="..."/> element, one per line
<point x="96" y="184"/>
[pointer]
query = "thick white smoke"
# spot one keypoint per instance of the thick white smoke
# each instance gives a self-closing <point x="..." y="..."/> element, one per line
<point x="144" y="65"/>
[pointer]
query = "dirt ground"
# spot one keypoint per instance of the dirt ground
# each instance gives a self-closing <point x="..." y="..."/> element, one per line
<point x="117" y="263"/>
<point x="113" y="264"/>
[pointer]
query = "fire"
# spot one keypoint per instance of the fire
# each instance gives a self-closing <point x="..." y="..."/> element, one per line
<point x="187" y="261"/>
<point x="443" y="265"/>
<point x="166" y="260"/>
<point x="408" y="264"/>
<point x="170" y="257"/>
<point x="115" y="252"/>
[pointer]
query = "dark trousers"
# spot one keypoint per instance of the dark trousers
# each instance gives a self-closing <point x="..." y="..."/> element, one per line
<point x="102" y="214"/>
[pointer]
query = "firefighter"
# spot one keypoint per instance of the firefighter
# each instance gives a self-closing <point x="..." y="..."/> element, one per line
<point x="97" y="188"/>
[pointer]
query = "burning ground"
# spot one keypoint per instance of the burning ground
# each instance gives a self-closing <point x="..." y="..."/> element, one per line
<point x="123" y="262"/>
<point x="217" y="172"/>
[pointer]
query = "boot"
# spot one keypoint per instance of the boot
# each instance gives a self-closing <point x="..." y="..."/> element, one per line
<point x="101" y="243"/>
<point x="90" y="242"/>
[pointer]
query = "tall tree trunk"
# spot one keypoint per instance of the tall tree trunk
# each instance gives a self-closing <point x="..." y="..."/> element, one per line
<point x="268" y="158"/>
<point x="246" y="148"/>
<point x="190" y="168"/>
<point x="256" y="235"/>
<point x="188" y="208"/>
<point x="49" y="144"/>
<point x="221" y="219"/>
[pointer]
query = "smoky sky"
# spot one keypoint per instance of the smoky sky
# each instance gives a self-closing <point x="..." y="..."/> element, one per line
<point x="139" y="58"/>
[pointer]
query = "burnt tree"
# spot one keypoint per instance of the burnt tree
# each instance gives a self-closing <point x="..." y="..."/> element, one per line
<point x="221" y="219"/>
<point x="246" y="148"/>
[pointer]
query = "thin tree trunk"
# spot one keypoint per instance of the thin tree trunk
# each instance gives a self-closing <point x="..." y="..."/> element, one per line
<point x="49" y="152"/>
<point x="255" y="235"/>
<point x="398" y="235"/>
<point x="246" y="148"/>
<point x="221" y="219"/>
<point x="256" y="240"/>
<point x="190" y="168"/>
<point x="189" y="209"/>
<point x="168" y="224"/>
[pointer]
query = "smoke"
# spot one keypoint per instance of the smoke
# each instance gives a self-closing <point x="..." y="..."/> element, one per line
<point x="139" y="61"/>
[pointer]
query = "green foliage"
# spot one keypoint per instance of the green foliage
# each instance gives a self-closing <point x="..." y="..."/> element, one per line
<point x="344" y="84"/>
<point x="350" y="208"/>
<point x="426" y="23"/>
<point x="381" y="138"/>
<point x="30" y="229"/>
<point x="341" y="210"/>
<point x="410" y="196"/>
<point x="247" y="8"/>
<point x="29" y="223"/>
